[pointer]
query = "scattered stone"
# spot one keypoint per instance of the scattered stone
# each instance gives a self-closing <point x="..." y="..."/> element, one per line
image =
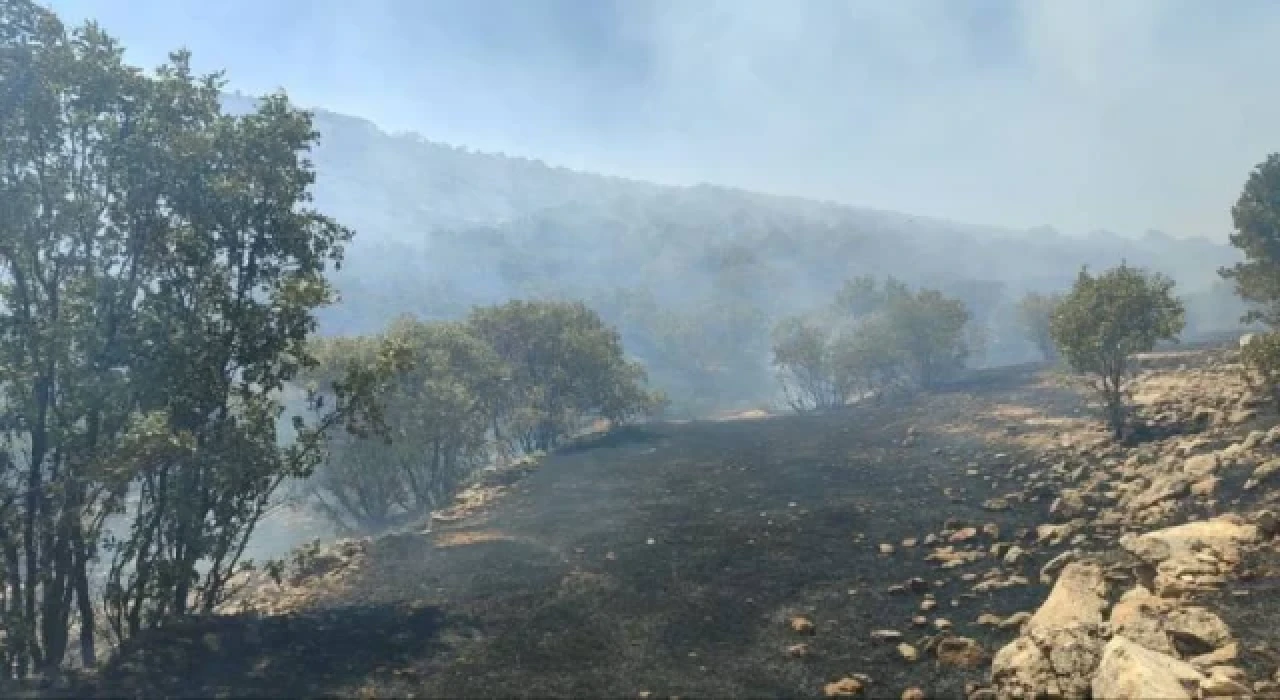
<point x="960" y="651"/>
<point x="1017" y="619"/>
<point x="908" y="652"/>
<point x="886" y="635"/>
<point x="989" y="620"/>
<point x="843" y="688"/>
<point x="995" y="504"/>
<point x="913" y="694"/>
<point x="886" y="548"/>
<point x="803" y="625"/>
<point x="798" y="651"/>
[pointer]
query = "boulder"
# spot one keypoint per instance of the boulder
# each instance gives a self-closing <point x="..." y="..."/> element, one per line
<point x="1128" y="670"/>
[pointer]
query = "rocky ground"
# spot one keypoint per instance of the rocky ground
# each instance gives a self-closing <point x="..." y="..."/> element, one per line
<point x="990" y="540"/>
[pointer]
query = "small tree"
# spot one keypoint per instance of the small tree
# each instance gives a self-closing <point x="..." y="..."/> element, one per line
<point x="802" y="355"/>
<point x="930" y="329"/>
<point x="1106" y="319"/>
<point x="1035" y="315"/>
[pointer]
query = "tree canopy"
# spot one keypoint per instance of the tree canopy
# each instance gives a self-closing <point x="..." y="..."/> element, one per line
<point x="1107" y="318"/>
<point x="159" y="271"/>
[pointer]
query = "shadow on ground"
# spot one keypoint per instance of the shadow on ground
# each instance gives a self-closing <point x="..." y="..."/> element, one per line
<point x="315" y="654"/>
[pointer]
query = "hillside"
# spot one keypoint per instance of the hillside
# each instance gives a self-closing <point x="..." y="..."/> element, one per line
<point x="693" y="276"/>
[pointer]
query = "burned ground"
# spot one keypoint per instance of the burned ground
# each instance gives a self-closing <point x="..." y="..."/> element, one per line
<point x="667" y="559"/>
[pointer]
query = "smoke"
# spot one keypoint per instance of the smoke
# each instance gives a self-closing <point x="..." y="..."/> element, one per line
<point x="1084" y="114"/>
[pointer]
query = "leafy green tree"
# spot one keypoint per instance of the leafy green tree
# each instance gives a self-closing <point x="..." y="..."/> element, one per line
<point x="566" y="368"/>
<point x="1261" y="360"/>
<point x="1035" y="313"/>
<point x="437" y="409"/>
<point x="158" y="272"/>
<point x="1256" y="216"/>
<point x="868" y="359"/>
<point x="930" y="332"/>
<point x="1106" y="319"/>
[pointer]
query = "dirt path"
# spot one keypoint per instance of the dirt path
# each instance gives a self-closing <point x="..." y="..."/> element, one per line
<point x="667" y="561"/>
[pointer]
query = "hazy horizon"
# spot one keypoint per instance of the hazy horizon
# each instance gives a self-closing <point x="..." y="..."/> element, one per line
<point x="1147" y="114"/>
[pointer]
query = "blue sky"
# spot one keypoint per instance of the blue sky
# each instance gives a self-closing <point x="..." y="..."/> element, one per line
<point x="1081" y="114"/>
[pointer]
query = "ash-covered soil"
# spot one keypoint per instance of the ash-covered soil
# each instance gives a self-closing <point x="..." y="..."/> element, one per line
<point x="709" y="559"/>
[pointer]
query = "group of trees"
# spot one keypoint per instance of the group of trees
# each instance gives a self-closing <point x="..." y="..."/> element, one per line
<point x="873" y="337"/>
<point x="160" y="272"/>
<point x="512" y="379"/>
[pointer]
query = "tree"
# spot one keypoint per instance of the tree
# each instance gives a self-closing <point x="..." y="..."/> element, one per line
<point x="1035" y="314"/>
<point x="566" y="367"/>
<point x="803" y="357"/>
<point x="437" y="409"/>
<point x="1106" y="319"/>
<point x="1256" y="216"/>
<point x="159" y="270"/>
<point x="930" y="331"/>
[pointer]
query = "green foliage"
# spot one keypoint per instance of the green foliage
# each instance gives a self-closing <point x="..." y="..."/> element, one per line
<point x="930" y="332"/>
<point x="1106" y="319"/>
<point x="872" y="338"/>
<point x="1035" y="314"/>
<point x="438" y="409"/>
<point x="566" y="367"/>
<point x="159" y="270"/>
<point x="1256" y="216"/>
<point x="1261" y="360"/>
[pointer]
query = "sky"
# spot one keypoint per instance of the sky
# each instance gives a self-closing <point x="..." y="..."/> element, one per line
<point x="1126" y="115"/>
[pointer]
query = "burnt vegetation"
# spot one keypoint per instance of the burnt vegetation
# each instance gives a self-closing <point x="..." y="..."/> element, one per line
<point x="163" y="270"/>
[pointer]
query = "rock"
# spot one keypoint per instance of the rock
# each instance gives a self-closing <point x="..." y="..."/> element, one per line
<point x="1196" y="630"/>
<point x="1222" y="684"/>
<point x="1014" y="555"/>
<point x="963" y="534"/>
<point x="886" y="635"/>
<point x="995" y="504"/>
<point x="803" y="625"/>
<point x="843" y="688"/>
<point x="1200" y="466"/>
<point x="909" y="542"/>
<point x="1069" y="504"/>
<point x="1017" y="619"/>
<point x="1193" y="556"/>
<point x="1205" y="487"/>
<point x="960" y="651"/>
<point x="1054" y="534"/>
<point x="1078" y="597"/>
<point x="886" y="549"/>
<point x="989" y="620"/>
<point x="1263" y="472"/>
<point x="1053" y="565"/>
<point x="1061" y="643"/>
<point x="1128" y="670"/>
<point x="942" y="624"/>
<point x="1226" y="654"/>
<point x="798" y="651"/>
<point x="913" y="694"/>
<point x="928" y="604"/>
<point x="908" y="652"/>
<point x="1139" y="617"/>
